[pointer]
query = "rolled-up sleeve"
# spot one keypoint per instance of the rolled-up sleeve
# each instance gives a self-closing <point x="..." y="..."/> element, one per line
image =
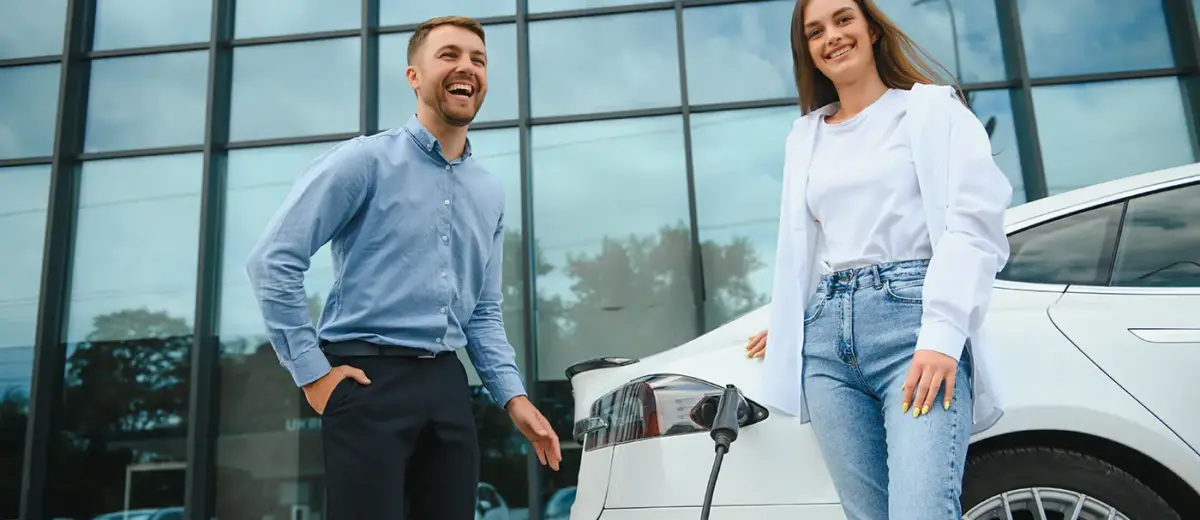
<point x="325" y="197"/>
<point x="973" y="247"/>
<point x="487" y="342"/>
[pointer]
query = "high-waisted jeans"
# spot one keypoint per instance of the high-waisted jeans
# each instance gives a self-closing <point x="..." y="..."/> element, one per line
<point x="860" y="331"/>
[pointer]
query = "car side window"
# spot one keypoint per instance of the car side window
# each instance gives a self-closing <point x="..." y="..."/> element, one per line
<point x="1160" y="240"/>
<point x="1076" y="249"/>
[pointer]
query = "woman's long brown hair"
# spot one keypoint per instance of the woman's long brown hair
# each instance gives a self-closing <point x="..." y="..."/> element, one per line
<point x="900" y="62"/>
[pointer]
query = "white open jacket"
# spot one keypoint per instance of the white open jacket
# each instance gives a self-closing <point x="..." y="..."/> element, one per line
<point x="964" y="195"/>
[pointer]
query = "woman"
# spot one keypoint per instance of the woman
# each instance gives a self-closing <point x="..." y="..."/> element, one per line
<point x="891" y="234"/>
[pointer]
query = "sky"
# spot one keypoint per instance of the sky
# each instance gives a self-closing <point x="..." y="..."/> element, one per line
<point x="138" y="231"/>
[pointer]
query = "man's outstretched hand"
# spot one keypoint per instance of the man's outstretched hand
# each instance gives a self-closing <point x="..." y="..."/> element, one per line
<point x="536" y="428"/>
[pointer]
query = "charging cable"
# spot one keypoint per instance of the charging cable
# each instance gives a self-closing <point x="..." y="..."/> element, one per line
<point x="725" y="427"/>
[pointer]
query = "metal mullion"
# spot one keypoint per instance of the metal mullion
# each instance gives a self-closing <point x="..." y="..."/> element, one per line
<point x="26" y="161"/>
<point x="605" y="116"/>
<point x="30" y="60"/>
<point x="533" y="467"/>
<point x="705" y="3"/>
<point x="368" y="116"/>
<point x="412" y="27"/>
<point x="296" y="38"/>
<point x="1185" y="46"/>
<point x="699" y="292"/>
<point x="49" y="355"/>
<point x="200" y="484"/>
<point x="1106" y="76"/>
<point x="143" y="51"/>
<point x="140" y="152"/>
<point x="1032" y="167"/>
<point x="287" y="141"/>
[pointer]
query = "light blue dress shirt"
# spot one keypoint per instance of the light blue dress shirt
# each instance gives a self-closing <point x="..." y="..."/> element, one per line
<point x="417" y="243"/>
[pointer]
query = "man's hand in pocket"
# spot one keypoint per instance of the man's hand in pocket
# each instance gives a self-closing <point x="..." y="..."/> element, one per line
<point x="318" y="392"/>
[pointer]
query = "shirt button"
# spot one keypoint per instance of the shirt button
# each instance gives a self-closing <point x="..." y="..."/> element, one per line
<point x="442" y="310"/>
<point x="443" y="274"/>
<point x="446" y="202"/>
<point x="438" y="340"/>
<point x="444" y="238"/>
<point x="447" y="166"/>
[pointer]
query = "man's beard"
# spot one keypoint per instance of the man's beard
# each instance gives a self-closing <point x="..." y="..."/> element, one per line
<point x="448" y="110"/>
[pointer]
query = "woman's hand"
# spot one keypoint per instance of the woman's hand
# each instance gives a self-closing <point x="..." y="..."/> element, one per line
<point x="929" y="369"/>
<point x="757" y="347"/>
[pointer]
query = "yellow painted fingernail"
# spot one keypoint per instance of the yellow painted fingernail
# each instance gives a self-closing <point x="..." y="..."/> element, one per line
<point x="924" y="409"/>
<point x="916" y="412"/>
<point x="946" y="405"/>
<point x="904" y="407"/>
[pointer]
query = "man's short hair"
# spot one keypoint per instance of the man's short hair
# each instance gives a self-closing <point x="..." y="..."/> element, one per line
<point x="422" y="32"/>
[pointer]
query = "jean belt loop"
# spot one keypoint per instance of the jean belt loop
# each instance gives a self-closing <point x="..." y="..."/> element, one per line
<point x="875" y="278"/>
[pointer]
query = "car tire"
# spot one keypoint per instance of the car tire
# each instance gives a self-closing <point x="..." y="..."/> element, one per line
<point x="995" y="472"/>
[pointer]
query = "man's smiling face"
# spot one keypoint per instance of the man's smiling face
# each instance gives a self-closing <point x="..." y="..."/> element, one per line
<point x="449" y="74"/>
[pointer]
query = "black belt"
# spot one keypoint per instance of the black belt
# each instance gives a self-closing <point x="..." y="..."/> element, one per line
<point x="365" y="348"/>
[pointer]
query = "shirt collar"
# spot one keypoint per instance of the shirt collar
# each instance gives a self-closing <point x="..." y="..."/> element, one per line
<point x="427" y="141"/>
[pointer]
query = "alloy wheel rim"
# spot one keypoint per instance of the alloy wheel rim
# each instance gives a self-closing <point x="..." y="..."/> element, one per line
<point x="1042" y="503"/>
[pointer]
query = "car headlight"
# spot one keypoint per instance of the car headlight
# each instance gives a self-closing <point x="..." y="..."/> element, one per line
<point x="657" y="405"/>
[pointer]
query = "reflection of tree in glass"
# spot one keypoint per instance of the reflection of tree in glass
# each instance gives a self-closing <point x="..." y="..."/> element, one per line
<point x="126" y="383"/>
<point x="14" y="409"/>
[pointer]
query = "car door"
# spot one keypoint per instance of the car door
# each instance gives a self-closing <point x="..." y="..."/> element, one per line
<point x="1139" y="320"/>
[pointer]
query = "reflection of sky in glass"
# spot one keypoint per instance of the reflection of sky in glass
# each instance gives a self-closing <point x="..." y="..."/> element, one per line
<point x="137" y="237"/>
<point x="147" y="101"/>
<point x="1064" y="37"/>
<point x="27" y="110"/>
<point x="399" y="12"/>
<point x="998" y="104"/>
<point x="1159" y="243"/>
<point x="259" y="18"/>
<point x="738" y="52"/>
<point x="24" y="191"/>
<point x="292" y="89"/>
<point x="31" y="27"/>
<point x="541" y="6"/>
<point x="143" y="23"/>
<point x="603" y="63"/>
<point x="1094" y="132"/>
<point x="398" y="102"/>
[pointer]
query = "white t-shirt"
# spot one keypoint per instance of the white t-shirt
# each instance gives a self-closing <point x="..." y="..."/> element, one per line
<point x="863" y="189"/>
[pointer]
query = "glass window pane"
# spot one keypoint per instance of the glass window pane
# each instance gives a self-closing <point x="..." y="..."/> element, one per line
<point x="1082" y="145"/>
<point x="613" y="253"/>
<point x="1068" y="37"/>
<point x="147" y="101"/>
<point x="129" y="335"/>
<point x="259" y="18"/>
<point x="738" y="164"/>
<point x="142" y="23"/>
<point x="963" y="36"/>
<point x="400" y="12"/>
<point x="27" y="110"/>
<point x="994" y="110"/>
<point x="739" y="52"/>
<point x="23" y="196"/>
<point x="31" y="27"/>
<point x="1160" y="244"/>
<point x="398" y="102"/>
<point x="603" y="63"/>
<point x="266" y="427"/>
<point x="1071" y="250"/>
<point x="294" y="89"/>
<point x="542" y="6"/>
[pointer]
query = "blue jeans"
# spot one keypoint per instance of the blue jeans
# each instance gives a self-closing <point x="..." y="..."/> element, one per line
<point x="860" y="331"/>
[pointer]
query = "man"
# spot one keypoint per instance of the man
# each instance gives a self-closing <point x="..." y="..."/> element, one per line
<point x="416" y="233"/>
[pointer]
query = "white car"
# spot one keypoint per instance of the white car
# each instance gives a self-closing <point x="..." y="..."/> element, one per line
<point x="1096" y="325"/>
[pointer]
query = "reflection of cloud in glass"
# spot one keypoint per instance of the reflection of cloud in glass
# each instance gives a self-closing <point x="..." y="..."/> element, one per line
<point x="397" y="101"/>
<point x="541" y="6"/>
<point x="978" y="39"/>
<point x="256" y="18"/>
<point x="399" y="12"/>
<point x="27" y="109"/>
<point x="147" y="101"/>
<point x="24" y="191"/>
<point x="143" y="23"/>
<point x="1066" y="37"/>
<point x="137" y="237"/>
<point x="998" y="104"/>
<point x="293" y="89"/>
<point x="603" y="63"/>
<point x="1093" y="132"/>
<point x="739" y="174"/>
<point x="31" y="27"/>
<point x="738" y="52"/>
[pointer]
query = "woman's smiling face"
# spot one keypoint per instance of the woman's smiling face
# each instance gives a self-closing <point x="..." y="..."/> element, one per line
<point x="840" y="39"/>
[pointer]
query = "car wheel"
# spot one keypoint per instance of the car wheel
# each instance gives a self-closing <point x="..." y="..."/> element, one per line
<point x="1052" y="483"/>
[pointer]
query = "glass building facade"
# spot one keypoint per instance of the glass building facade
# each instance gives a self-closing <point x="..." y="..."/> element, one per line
<point x="144" y="144"/>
